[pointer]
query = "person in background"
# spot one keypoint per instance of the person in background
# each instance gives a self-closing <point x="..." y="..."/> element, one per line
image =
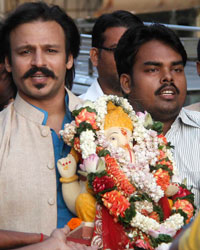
<point x="188" y="239"/>
<point x="38" y="44"/>
<point x="106" y="33"/>
<point x="7" y="88"/>
<point x="150" y="62"/>
<point x="196" y="106"/>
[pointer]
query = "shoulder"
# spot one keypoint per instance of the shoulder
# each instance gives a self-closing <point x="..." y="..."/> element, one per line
<point x="93" y="92"/>
<point x="195" y="107"/>
<point x="190" y="117"/>
<point x="73" y="100"/>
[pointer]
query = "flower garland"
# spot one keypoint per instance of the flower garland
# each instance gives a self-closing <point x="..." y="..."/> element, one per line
<point x="140" y="195"/>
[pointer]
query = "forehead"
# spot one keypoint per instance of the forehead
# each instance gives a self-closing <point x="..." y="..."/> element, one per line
<point x="157" y="51"/>
<point x="37" y="32"/>
<point x="113" y="34"/>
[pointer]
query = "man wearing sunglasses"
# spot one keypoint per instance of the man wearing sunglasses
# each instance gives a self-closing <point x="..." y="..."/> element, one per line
<point x="106" y="33"/>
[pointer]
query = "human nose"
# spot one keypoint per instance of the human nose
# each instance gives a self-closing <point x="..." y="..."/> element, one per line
<point x="38" y="59"/>
<point x="167" y="76"/>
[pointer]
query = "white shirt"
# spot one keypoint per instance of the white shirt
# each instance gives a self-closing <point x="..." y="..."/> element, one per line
<point x="93" y="92"/>
<point x="184" y="135"/>
<point x="194" y="106"/>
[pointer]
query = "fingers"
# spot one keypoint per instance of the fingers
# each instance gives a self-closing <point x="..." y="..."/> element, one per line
<point x="65" y="229"/>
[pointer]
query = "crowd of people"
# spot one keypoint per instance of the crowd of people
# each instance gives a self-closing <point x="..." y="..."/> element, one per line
<point x="39" y="44"/>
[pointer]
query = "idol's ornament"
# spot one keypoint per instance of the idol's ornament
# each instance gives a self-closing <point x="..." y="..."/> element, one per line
<point x="132" y="192"/>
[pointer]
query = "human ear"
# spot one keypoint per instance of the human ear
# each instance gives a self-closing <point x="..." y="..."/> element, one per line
<point x="94" y="55"/>
<point x="198" y="67"/>
<point x="7" y="65"/>
<point x="70" y="61"/>
<point x="125" y="82"/>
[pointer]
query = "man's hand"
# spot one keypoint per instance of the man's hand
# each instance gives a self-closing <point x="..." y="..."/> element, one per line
<point x="60" y="236"/>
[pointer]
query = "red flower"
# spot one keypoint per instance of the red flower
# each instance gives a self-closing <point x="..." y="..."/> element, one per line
<point x="77" y="144"/>
<point x="102" y="183"/>
<point x="162" y="178"/>
<point x="161" y="136"/>
<point x="181" y="193"/>
<point x="116" y="203"/>
<point x="85" y="116"/>
<point x="186" y="206"/>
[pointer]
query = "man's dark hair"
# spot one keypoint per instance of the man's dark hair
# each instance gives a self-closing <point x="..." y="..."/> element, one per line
<point x="119" y="18"/>
<point x="198" y="50"/>
<point x="32" y="11"/>
<point x="134" y="38"/>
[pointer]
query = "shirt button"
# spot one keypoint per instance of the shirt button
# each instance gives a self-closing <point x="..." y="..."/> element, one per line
<point x="44" y="132"/>
<point x="50" y="166"/>
<point x="51" y="201"/>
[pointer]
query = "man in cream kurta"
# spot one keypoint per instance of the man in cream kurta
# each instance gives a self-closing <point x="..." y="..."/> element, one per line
<point x="43" y="42"/>
<point x="28" y="178"/>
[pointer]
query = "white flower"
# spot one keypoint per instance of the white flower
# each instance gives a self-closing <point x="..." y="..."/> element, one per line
<point x="163" y="246"/>
<point x="68" y="132"/>
<point x="87" y="143"/>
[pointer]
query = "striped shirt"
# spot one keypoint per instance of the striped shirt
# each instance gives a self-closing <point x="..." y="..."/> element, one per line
<point x="184" y="135"/>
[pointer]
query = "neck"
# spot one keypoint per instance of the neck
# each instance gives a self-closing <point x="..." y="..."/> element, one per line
<point x="167" y="126"/>
<point x="109" y="90"/>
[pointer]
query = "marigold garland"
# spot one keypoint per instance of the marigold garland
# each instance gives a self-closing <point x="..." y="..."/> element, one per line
<point x="131" y="192"/>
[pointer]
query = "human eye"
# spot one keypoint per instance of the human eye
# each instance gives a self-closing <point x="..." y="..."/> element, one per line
<point x="178" y="69"/>
<point x="52" y="51"/>
<point x="25" y="52"/>
<point x="151" y="70"/>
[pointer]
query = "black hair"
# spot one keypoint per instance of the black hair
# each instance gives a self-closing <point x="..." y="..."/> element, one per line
<point x="119" y="18"/>
<point x="8" y="89"/>
<point x="32" y="11"/>
<point x="134" y="38"/>
<point x="198" y="50"/>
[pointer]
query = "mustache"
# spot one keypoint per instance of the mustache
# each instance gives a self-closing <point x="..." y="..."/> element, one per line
<point x="157" y="92"/>
<point x="45" y="71"/>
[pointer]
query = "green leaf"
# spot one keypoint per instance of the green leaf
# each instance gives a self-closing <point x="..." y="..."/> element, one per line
<point x="103" y="153"/>
<point x="89" y="109"/>
<point x="83" y="126"/>
<point x="159" y="211"/>
<point x="157" y="126"/>
<point x="164" y="167"/>
<point x="129" y="214"/>
<point x="162" y="238"/>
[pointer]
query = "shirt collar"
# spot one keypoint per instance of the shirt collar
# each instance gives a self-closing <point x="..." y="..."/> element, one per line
<point x="45" y="113"/>
<point x="188" y="117"/>
<point x="33" y="113"/>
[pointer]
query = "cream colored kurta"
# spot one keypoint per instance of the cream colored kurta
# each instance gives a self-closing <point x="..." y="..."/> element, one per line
<point x="28" y="200"/>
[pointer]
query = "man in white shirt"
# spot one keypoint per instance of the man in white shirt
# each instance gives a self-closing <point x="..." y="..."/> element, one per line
<point x="150" y="62"/>
<point x="105" y="35"/>
<point x="196" y="106"/>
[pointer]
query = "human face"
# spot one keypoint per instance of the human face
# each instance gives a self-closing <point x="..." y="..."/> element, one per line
<point x="105" y="61"/>
<point x="158" y="82"/>
<point x="38" y="44"/>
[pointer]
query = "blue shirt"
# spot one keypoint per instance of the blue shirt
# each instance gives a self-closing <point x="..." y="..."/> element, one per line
<point x="60" y="150"/>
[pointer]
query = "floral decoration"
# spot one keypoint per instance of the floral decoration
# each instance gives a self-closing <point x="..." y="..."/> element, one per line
<point x="132" y="193"/>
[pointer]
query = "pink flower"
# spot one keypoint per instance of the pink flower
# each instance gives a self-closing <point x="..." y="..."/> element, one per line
<point x="90" y="163"/>
<point x="162" y="230"/>
<point x="142" y="244"/>
<point x="140" y="114"/>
